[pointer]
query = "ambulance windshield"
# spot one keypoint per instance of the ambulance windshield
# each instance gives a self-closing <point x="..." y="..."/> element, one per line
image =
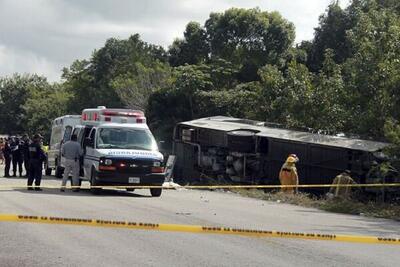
<point x="123" y="138"/>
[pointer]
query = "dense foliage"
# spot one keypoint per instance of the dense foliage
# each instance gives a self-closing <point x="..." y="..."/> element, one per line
<point x="242" y="63"/>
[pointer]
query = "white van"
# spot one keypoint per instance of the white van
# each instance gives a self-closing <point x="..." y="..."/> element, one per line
<point x="61" y="130"/>
<point x="119" y="150"/>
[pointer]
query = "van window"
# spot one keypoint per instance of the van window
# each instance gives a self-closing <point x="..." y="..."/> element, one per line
<point x="83" y="134"/>
<point x="67" y="133"/>
<point x="92" y="134"/>
<point x="56" y="135"/>
<point x="76" y="132"/>
<point x="92" y="137"/>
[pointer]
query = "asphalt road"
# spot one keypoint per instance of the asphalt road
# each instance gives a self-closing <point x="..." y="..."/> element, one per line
<point x="27" y="244"/>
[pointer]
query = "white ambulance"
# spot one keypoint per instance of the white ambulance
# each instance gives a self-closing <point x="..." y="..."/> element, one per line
<point x="61" y="130"/>
<point x="119" y="149"/>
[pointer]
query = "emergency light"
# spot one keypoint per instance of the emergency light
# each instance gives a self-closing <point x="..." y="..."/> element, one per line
<point x="99" y="115"/>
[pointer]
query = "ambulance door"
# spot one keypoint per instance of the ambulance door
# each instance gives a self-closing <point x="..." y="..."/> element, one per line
<point x="91" y="157"/>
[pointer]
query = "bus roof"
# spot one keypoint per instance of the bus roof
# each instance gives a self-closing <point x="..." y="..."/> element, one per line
<point x="227" y="124"/>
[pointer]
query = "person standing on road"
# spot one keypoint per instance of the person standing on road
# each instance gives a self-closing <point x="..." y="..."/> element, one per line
<point x="36" y="158"/>
<point x="288" y="174"/>
<point x="1" y="150"/>
<point x="7" y="157"/>
<point x="25" y="153"/>
<point x="71" y="151"/>
<point x="17" y="159"/>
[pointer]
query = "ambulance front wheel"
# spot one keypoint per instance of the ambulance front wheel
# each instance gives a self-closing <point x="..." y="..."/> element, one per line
<point x="94" y="183"/>
<point x="155" y="192"/>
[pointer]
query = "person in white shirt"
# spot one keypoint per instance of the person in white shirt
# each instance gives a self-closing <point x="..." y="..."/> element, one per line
<point x="71" y="151"/>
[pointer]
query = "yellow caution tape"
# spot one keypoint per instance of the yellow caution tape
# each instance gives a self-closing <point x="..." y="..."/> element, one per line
<point x="197" y="229"/>
<point x="19" y="186"/>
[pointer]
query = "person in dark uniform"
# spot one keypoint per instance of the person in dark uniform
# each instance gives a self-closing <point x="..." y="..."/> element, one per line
<point x="36" y="158"/>
<point x="17" y="159"/>
<point x="7" y="158"/>
<point x="25" y="153"/>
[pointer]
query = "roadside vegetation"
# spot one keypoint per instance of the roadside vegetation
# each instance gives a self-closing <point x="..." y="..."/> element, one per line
<point x="338" y="205"/>
<point x="242" y="63"/>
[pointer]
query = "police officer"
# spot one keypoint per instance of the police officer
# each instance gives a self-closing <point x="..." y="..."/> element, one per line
<point x="17" y="159"/>
<point x="36" y="158"/>
<point x="25" y="152"/>
<point x="7" y="158"/>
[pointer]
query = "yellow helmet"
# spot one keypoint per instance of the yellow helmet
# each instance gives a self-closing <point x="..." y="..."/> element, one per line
<point x="291" y="159"/>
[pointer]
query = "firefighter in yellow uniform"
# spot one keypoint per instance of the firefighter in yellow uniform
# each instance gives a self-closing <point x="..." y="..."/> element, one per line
<point x="288" y="174"/>
<point x="344" y="191"/>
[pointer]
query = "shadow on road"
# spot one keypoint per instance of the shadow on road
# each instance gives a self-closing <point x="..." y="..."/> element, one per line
<point x="50" y="180"/>
<point x="83" y="192"/>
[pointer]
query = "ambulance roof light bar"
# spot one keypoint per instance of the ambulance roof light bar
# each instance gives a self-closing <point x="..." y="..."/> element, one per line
<point x="123" y="113"/>
<point x="95" y="116"/>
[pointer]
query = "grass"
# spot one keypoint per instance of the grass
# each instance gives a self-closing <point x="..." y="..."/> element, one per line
<point x="346" y="206"/>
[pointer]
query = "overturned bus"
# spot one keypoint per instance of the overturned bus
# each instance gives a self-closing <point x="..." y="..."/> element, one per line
<point x="231" y="150"/>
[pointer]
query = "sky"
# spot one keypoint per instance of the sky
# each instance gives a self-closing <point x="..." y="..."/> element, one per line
<point x="43" y="36"/>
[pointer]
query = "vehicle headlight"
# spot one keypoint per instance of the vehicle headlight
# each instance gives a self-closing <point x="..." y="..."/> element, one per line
<point x="108" y="162"/>
<point x="156" y="164"/>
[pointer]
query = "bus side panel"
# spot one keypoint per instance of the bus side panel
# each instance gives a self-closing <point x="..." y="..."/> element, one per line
<point x="279" y="151"/>
<point x="325" y="163"/>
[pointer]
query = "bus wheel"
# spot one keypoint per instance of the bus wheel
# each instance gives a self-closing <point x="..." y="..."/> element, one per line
<point x="155" y="192"/>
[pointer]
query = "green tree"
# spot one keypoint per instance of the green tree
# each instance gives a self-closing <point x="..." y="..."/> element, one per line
<point x="287" y="97"/>
<point x="331" y="109"/>
<point x="372" y="75"/>
<point x="236" y="102"/>
<point x="45" y="103"/>
<point x="192" y="49"/>
<point x="249" y="38"/>
<point x="14" y="92"/>
<point x="331" y="34"/>
<point x="134" y="89"/>
<point x="94" y="82"/>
